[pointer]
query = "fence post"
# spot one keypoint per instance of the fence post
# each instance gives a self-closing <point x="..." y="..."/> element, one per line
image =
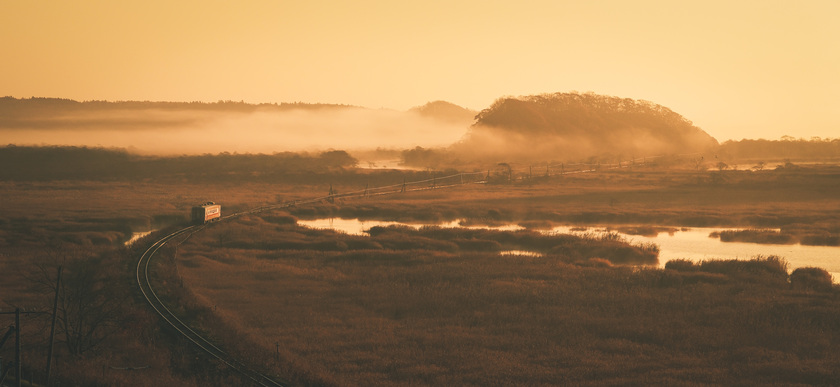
<point x="18" y="366"/>
<point x="52" y="328"/>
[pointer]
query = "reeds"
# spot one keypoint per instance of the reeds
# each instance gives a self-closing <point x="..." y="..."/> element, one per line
<point x="412" y="315"/>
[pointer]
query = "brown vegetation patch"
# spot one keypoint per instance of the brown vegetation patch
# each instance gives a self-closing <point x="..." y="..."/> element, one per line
<point x="407" y="314"/>
<point x="361" y="313"/>
<point x="754" y="236"/>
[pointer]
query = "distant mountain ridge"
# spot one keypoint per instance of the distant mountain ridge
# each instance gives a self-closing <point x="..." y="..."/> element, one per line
<point x="563" y="125"/>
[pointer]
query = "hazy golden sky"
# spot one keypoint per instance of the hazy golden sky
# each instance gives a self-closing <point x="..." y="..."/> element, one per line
<point x="738" y="69"/>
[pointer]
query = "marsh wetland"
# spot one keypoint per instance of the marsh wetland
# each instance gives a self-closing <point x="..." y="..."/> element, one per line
<point x="500" y="282"/>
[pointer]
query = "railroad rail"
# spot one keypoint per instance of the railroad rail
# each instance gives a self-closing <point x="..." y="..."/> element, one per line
<point x="144" y="283"/>
<point x="173" y="321"/>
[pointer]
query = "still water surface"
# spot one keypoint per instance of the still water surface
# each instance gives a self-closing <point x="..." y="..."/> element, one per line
<point x="693" y="244"/>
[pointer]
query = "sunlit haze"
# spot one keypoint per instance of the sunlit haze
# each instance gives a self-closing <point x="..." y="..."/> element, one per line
<point x="744" y="69"/>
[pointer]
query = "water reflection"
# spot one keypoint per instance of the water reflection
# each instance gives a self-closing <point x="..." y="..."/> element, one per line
<point x="137" y="235"/>
<point x="687" y="243"/>
<point x="522" y="253"/>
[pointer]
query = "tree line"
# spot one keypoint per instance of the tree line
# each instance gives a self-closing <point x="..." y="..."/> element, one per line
<point x="785" y="148"/>
<point x="15" y="111"/>
<point x="28" y="163"/>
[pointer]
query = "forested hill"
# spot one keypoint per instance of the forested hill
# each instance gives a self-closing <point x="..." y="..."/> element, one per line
<point x="446" y="111"/>
<point x="580" y="125"/>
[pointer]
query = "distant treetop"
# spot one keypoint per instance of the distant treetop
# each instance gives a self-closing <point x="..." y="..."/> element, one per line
<point x="581" y="125"/>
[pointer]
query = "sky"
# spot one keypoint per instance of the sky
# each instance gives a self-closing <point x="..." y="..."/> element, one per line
<point x="737" y="69"/>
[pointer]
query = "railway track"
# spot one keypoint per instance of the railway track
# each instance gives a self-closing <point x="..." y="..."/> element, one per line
<point x="211" y="349"/>
<point x="174" y="322"/>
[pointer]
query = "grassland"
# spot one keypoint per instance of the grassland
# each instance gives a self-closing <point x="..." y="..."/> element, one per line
<point x="358" y="310"/>
<point x="406" y="307"/>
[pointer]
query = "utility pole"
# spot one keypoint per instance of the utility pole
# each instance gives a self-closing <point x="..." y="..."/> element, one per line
<point x="18" y="367"/>
<point x="52" y="328"/>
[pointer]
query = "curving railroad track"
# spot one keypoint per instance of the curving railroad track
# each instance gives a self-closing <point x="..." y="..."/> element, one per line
<point x="173" y="321"/>
<point x="212" y="350"/>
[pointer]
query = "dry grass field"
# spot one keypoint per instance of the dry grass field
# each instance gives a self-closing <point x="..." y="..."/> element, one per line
<point x="425" y="307"/>
<point x="348" y="310"/>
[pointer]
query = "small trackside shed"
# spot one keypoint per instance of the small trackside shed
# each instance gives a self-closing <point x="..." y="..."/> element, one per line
<point x="206" y="212"/>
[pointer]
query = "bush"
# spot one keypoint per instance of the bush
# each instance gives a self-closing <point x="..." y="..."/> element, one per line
<point x="281" y="219"/>
<point x="681" y="265"/>
<point x="764" y="267"/>
<point x="821" y="239"/>
<point x="478" y="244"/>
<point x="811" y="278"/>
<point x="755" y="236"/>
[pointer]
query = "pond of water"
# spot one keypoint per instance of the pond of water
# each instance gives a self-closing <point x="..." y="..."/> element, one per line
<point x="688" y="243"/>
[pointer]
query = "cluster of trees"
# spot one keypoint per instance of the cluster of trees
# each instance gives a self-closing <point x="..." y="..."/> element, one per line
<point x="581" y="125"/>
<point x="445" y="111"/>
<point x="11" y="107"/>
<point x="785" y="148"/>
<point x="568" y="113"/>
<point x="60" y="163"/>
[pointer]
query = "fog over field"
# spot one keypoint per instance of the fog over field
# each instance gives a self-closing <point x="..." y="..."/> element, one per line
<point x="167" y="132"/>
<point x="544" y="193"/>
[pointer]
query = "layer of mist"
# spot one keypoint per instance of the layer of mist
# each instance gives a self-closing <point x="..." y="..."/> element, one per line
<point x="167" y="129"/>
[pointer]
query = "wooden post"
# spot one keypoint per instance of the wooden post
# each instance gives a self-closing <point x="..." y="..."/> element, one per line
<point x="18" y="366"/>
<point x="3" y="371"/>
<point x="52" y="328"/>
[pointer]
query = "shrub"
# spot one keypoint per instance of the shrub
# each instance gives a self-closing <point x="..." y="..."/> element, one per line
<point x="811" y="278"/>
<point x="821" y="239"/>
<point x="478" y="244"/>
<point x="280" y="219"/>
<point x="764" y="267"/>
<point x="681" y="265"/>
<point x="596" y="262"/>
<point x="755" y="236"/>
